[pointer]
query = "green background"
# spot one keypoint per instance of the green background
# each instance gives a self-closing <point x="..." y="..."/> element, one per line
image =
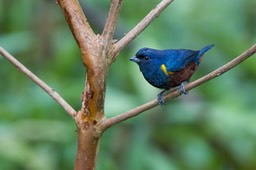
<point x="212" y="128"/>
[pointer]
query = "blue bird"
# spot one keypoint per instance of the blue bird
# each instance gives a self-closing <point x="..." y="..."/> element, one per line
<point x="168" y="68"/>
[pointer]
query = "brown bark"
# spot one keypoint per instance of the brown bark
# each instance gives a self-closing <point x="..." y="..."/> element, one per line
<point x="92" y="111"/>
<point x="88" y="146"/>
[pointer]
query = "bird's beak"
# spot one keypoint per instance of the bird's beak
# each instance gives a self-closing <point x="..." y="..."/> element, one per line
<point x="134" y="59"/>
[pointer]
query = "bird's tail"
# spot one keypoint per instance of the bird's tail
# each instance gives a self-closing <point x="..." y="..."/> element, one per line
<point x="202" y="51"/>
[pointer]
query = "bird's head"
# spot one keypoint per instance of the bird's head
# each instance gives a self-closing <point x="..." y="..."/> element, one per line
<point x="144" y="55"/>
<point x="148" y="59"/>
<point x="147" y="56"/>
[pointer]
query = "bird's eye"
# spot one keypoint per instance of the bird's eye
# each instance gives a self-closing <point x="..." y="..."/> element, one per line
<point x="139" y="56"/>
<point x="142" y="57"/>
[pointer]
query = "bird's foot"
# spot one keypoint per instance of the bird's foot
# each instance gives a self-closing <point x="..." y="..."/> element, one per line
<point x="182" y="88"/>
<point x="160" y="98"/>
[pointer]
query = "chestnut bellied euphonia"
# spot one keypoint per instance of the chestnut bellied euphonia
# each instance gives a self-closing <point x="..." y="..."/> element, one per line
<point x="168" y="68"/>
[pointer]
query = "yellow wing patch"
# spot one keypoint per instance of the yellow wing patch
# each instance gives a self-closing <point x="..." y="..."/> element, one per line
<point x="163" y="68"/>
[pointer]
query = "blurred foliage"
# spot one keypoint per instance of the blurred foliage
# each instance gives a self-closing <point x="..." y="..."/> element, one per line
<point x="211" y="128"/>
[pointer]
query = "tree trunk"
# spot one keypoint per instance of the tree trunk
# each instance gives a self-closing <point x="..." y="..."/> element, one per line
<point x="87" y="151"/>
<point x="91" y="114"/>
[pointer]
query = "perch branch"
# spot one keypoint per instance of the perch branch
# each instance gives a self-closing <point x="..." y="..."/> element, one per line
<point x="111" y="22"/>
<point x="39" y="82"/>
<point x="106" y="123"/>
<point x="140" y="26"/>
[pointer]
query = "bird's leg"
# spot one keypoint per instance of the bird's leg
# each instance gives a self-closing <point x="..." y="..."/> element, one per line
<point x="182" y="88"/>
<point x="160" y="97"/>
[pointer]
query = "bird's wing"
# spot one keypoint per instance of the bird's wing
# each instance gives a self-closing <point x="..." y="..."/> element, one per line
<point x="178" y="59"/>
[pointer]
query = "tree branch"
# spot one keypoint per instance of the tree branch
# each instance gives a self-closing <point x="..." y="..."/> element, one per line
<point x="79" y="27"/>
<point x="140" y="26"/>
<point x="39" y="82"/>
<point x="106" y="123"/>
<point x="111" y="22"/>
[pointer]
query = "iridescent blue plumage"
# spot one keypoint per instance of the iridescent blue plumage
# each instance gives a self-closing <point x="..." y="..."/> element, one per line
<point x="168" y="68"/>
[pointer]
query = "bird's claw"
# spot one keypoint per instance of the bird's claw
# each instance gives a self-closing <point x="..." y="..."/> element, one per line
<point x="182" y="88"/>
<point x="182" y="91"/>
<point x="160" y="98"/>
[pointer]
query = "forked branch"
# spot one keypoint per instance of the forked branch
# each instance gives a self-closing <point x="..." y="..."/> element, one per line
<point x="39" y="82"/>
<point x="136" y="111"/>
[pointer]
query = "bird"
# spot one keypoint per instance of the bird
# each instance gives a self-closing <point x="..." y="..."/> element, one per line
<point x="168" y="68"/>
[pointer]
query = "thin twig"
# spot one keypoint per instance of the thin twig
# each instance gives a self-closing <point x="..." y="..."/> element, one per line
<point x="106" y="123"/>
<point x="39" y="82"/>
<point x="140" y="26"/>
<point x="109" y="28"/>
